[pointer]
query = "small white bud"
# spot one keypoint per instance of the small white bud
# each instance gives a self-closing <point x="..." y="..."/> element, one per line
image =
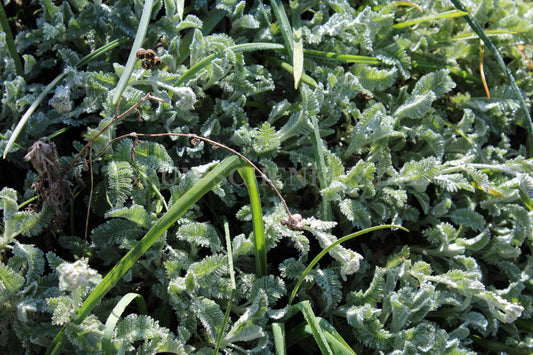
<point x="75" y="275"/>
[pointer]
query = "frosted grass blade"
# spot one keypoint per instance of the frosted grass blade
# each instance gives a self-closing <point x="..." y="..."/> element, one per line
<point x="114" y="317"/>
<point x="139" y="39"/>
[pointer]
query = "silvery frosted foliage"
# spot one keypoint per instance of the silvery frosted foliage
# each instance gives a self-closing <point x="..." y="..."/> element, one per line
<point x="76" y="275"/>
<point x="61" y="100"/>
<point x="186" y="98"/>
<point x="390" y="124"/>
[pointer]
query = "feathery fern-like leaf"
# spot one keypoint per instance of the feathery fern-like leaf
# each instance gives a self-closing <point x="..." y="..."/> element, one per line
<point x="119" y="180"/>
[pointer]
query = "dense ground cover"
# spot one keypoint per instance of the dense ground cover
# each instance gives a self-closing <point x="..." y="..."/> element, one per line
<point x="330" y="177"/>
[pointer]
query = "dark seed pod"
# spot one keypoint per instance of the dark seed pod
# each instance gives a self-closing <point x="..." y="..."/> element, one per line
<point x="146" y="65"/>
<point x="293" y="222"/>
<point x="156" y="62"/>
<point x="141" y="53"/>
<point x="150" y="54"/>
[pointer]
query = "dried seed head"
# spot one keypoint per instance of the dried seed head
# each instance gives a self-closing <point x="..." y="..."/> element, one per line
<point x="156" y="62"/>
<point x="293" y="222"/>
<point x="141" y="53"/>
<point x="150" y="54"/>
<point x="195" y="141"/>
<point x="146" y="65"/>
<point x="297" y="217"/>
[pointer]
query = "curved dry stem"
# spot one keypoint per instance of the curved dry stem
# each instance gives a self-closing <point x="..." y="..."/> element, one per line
<point x="193" y="136"/>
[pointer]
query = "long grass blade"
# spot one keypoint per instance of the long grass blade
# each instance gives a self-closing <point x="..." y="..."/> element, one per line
<point x="447" y="14"/>
<point x="114" y="317"/>
<point x="499" y="59"/>
<point x="278" y="329"/>
<point x="333" y="245"/>
<point x="52" y="85"/>
<point x="312" y="321"/>
<point x="132" y="59"/>
<point x="245" y="47"/>
<point x="285" y="27"/>
<point x="298" y="44"/>
<point x="248" y="175"/>
<point x="345" y="58"/>
<point x="289" y="69"/>
<point x="10" y="43"/>
<point x="210" y="180"/>
<point x="233" y="287"/>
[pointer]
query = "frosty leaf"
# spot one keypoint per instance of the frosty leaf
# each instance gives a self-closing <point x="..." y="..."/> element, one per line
<point x="200" y="234"/>
<point x="439" y="82"/>
<point x="417" y="106"/>
<point x="469" y="218"/>
<point x="266" y="139"/>
<point x="134" y="213"/>
<point x="120" y="177"/>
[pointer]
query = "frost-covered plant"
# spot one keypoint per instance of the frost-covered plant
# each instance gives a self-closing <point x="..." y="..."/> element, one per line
<point x="359" y="116"/>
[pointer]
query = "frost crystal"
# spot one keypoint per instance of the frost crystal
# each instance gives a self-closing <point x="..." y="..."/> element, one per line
<point x="61" y="99"/>
<point x="75" y="275"/>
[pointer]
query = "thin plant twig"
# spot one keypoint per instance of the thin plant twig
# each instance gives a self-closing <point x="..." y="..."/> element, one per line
<point x="482" y="72"/>
<point x="116" y="118"/>
<point x="294" y="221"/>
<point x="194" y="137"/>
<point x="90" y="200"/>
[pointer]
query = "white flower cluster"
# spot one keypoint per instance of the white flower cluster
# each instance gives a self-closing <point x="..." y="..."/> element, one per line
<point x="61" y="100"/>
<point x="75" y="275"/>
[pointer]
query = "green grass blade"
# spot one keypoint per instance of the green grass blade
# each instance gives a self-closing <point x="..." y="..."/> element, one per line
<point x="132" y="59"/>
<point x="11" y="49"/>
<point x="447" y="14"/>
<point x="499" y="59"/>
<point x="114" y="317"/>
<point x="334" y="339"/>
<point x="298" y="44"/>
<point x="302" y="331"/>
<point x="52" y="85"/>
<point x="285" y="27"/>
<point x="278" y="329"/>
<point x="333" y="245"/>
<point x="489" y="33"/>
<point x="238" y="48"/>
<point x="233" y="287"/>
<point x="289" y="68"/>
<point x="312" y="321"/>
<point x="180" y="4"/>
<point x="210" y="180"/>
<point x="248" y="175"/>
<point x="345" y="58"/>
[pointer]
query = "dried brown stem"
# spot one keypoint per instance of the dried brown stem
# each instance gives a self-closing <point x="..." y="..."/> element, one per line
<point x="193" y="136"/>
<point x="116" y="118"/>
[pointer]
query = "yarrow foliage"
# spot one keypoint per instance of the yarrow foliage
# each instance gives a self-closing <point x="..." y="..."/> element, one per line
<point x="359" y="117"/>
